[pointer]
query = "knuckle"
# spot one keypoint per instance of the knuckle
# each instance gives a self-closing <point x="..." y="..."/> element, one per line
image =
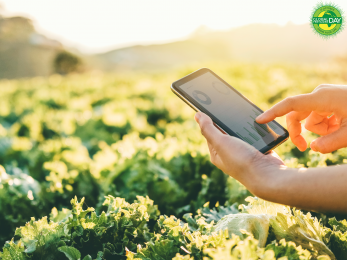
<point x="323" y="89"/>
<point x="319" y="87"/>
<point x="290" y="116"/>
<point x="289" y="100"/>
<point x="289" y="122"/>
<point x="308" y="126"/>
<point x="326" y="94"/>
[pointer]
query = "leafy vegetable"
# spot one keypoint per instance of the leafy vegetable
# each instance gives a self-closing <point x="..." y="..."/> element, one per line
<point x="125" y="135"/>
<point x="293" y="225"/>
<point x="257" y="225"/>
<point x="71" y="253"/>
<point x="245" y="250"/>
<point x="289" y="250"/>
<point x="137" y="231"/>
<point x="337" y="237"/>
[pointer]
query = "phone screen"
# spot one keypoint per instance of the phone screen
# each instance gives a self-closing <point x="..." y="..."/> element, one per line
<point x="232" y="109"/>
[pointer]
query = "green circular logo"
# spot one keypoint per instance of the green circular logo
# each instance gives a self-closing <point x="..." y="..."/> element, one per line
<point x="327" y="20"/>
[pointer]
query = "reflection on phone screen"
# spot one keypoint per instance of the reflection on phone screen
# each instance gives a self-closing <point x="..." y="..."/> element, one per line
<point x="231" y="109"/>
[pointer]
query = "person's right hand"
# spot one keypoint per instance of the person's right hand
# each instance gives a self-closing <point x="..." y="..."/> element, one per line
<point x="325" y="111"/>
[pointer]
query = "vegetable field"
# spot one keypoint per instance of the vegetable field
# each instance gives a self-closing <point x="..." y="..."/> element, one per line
<point x="113" y="166"/>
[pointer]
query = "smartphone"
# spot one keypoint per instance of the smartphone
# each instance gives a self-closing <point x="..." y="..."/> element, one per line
<point x="229" y="110"/>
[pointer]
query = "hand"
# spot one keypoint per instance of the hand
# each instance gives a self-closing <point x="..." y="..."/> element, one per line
<point x="236" y="157"/>
<point x="267" y="177"/>
<point x="325" y="111"/>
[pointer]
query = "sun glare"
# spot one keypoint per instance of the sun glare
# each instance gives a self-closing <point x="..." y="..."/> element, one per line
<point x="94" y="26"/>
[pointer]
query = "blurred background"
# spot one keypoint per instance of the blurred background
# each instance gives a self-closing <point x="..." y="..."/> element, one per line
<point x="86" y="108"/>
<point x="39" y="38"/>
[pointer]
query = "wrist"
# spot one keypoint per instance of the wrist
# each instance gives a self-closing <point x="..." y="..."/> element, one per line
<point x="264" y="178"/>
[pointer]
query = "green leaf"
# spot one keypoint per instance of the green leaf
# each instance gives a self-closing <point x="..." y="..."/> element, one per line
<point x="288" y="249"/>
<point x="181" y="257"/>
<point x="338" y="244"/>
<point x="243" y="250"/>
<point x="61" y="215"/>
<point x="87" y="257"/>
<point x="216" y="214"/>
<point x="255" y="224"/>
<point x="292" y="225"/>
<point x="70" y="252"/>
<point x="338" y="225"/>
<point x="30" y="246"/>
<point x="13" y="251"/>
<point x="99" y="256"/>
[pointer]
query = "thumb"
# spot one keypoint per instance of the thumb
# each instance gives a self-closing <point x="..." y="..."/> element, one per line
<point x="208" y="130"/>
<point x="330" y="142"/>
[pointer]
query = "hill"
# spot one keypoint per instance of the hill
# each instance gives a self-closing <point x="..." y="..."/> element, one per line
<point x="251" y="43"/>
<point x="24" y="52"/>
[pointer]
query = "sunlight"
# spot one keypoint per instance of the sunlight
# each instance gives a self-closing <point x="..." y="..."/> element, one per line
<point x="95" y="26"/>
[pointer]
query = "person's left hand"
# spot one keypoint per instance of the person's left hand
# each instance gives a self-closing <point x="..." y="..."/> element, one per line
<point x="236" y="157"/>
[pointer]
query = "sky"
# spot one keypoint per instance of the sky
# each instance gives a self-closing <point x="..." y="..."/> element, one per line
<point x="100" y="25"/>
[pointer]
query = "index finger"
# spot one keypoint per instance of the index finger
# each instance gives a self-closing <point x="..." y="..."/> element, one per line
<point x="299" y="103"/>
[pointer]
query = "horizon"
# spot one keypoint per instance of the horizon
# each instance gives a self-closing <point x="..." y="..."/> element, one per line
<point x="112" y="25"/>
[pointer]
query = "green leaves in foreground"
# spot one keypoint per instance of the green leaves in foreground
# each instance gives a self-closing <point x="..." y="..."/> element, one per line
<point x="137" y="232"/>
<point x="82" y="233"/>
<point x="71" y="253"/>
<point x="338" y="237"/>
<point x="245" y="250"/>
<point x="292" y="225"/>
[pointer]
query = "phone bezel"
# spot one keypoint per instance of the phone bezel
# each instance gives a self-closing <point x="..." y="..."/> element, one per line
<point x="175" y="87"/>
